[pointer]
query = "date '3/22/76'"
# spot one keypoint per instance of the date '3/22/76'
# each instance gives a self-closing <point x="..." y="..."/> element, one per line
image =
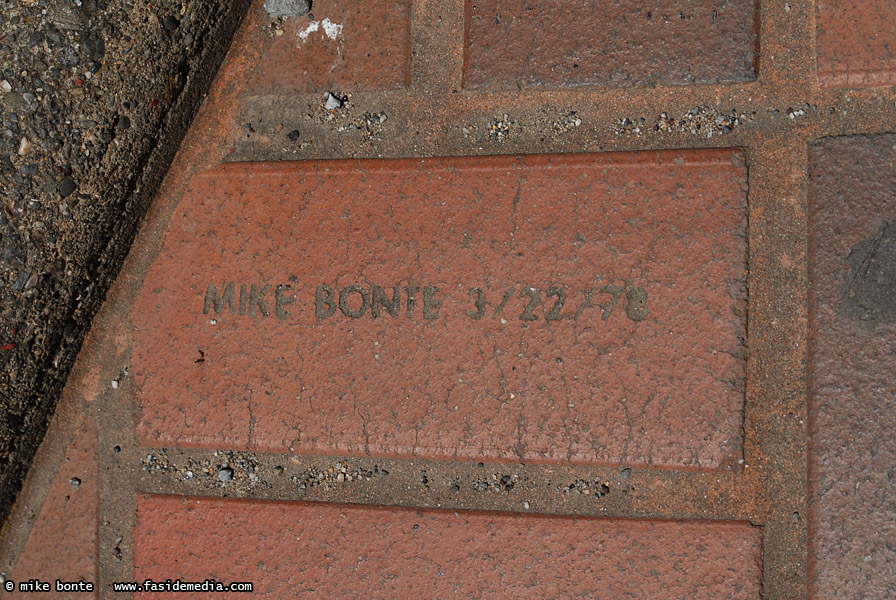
<point x="522" y="302"/>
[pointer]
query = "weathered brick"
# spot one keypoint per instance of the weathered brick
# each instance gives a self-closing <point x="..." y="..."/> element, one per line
<point x="853" y="344"/>
<point x="856" y="42"/>
<point x="63" y="541"/>
<point x="512" y="44"/>
<point x="325" y="551"/>
<point x="654" y="377"/>
<point x="348" y="45"/>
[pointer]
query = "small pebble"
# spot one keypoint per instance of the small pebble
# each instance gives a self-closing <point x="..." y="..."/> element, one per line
<point x="94" y="48"/>
<point x="24" y="146"/>
<point x="67" y="187"/>
<point x="22" y="280"/>
<point x="68" y="57"/>
<point x="170" y="23"/>
<point x="225" y="474"/>
<point x="287" y="8"/>
<point x="332" y="102"/>
<point x="75" y="482"/>
<point x="5" y="87"/>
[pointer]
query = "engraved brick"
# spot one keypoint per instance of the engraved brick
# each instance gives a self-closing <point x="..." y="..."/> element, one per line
<point x="852" y="407"/>
<point x="325" y="551"/>
<point x="856" y="42"/>
<point x="642" y="363"/>
<point x="568" y="43"/>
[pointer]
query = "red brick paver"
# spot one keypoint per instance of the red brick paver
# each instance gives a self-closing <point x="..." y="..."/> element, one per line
<point x="853" y="392"/>
<point x="326" y="551"/>
<point x="344" y="44"/>
<point x="856" y="42"/>
<point x="587" y="309"/>
<point x="63" y="541"/>
<point x="567" y="43"/>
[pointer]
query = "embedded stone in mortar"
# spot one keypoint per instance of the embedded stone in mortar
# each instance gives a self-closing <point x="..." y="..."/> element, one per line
<point x="287" y="8"/>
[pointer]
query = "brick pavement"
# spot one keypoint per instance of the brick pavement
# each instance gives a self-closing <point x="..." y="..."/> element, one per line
<point x="523" y="316"/>
<point x="852" y="396"/>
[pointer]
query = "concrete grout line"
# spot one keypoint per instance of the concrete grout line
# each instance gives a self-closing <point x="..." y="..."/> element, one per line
<point x="603" y="115"/>
<point x="787" y="45"/>
<point x="611" y="492"/>
<point x="117" y="493"/>
<point x="775" y="416"/>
